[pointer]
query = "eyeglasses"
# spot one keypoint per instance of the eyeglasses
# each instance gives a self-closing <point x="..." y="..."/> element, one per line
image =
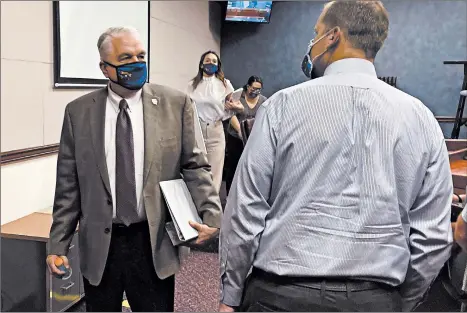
<point x="255" y="89"/>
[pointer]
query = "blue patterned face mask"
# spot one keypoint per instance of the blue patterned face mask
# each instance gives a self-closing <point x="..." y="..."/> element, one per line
<point x="131" y="76"/>
<point x="210" y="69"/>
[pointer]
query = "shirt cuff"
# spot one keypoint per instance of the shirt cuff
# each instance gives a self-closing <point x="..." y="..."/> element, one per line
<point x="231" y="296"/>
<point x="464" y="214"/>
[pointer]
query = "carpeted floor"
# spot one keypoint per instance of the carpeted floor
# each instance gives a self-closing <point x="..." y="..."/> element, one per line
<point x="197" y="284"/>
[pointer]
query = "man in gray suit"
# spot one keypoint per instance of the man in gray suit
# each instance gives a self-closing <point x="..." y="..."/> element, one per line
<point x="117" y="144"/>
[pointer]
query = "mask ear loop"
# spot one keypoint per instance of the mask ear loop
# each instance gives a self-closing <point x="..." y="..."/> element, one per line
<point x="313" y="42"/>
<point x="331" y="46"/>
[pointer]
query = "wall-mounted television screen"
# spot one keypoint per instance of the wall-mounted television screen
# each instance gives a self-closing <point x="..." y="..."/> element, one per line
<point x="249" y="11"/>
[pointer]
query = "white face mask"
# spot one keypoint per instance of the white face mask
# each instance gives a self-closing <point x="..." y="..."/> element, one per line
<point x="307" y="63"/>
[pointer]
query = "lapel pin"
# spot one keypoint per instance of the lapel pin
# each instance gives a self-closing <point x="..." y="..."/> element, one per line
<point x="155" y="101"/>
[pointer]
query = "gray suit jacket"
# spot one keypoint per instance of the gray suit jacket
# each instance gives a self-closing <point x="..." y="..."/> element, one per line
<point x="82" y="192"/>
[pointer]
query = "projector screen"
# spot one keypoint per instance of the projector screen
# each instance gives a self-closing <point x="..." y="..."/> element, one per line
<point x="78" y="25"/>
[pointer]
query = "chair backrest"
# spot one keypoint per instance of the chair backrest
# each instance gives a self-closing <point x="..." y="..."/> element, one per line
<point x="246" y="126"/>
<point x="391" y="80"/>
<point x="452" y="275"/>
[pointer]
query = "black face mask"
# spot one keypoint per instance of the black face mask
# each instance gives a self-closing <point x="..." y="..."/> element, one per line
<point x="307" y="65"/>
<point x="254" y="93"/>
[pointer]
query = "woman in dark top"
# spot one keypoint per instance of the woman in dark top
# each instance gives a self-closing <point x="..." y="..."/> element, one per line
<point x="251" y="99"/>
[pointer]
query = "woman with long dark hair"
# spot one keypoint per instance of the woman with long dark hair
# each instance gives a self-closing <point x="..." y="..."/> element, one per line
<point x="251" y="100"/>
<point x="211" y="92"/>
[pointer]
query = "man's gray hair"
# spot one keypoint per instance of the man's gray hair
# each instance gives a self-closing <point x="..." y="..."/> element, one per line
<point x="365" y="23"/>
<point x="104" y="41"/>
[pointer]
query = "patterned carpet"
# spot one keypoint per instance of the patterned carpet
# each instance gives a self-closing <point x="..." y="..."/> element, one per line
<point x="196" y="285"/>
<point x="199" y="278"/>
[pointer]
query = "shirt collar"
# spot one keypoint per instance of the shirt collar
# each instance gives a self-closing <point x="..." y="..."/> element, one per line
<point x="209" y="78"/>
<point x="115" y="99"/>
<point x="353" y="65"/>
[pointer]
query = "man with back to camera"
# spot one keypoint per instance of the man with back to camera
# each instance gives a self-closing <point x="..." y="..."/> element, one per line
<point x="117" y="144"/>
<point x="341" y="200"/>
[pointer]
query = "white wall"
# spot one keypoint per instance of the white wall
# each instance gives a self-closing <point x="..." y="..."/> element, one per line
<point x="180" y="33"/>
<point x="27" y="187"/>
<point x="32" y="112"/>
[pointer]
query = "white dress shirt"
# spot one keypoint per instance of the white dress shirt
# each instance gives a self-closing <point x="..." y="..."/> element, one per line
<point x="209" y="97"/>
<point x="135" y="110"/>
<point x="342" y="176"/>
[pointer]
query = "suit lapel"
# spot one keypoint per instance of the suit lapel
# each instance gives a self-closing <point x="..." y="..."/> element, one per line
<point x="151" y="105"/>
<point x="97" y="123"/>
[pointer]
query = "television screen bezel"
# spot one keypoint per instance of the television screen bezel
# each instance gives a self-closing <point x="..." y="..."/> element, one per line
<point x="250" y="22"/>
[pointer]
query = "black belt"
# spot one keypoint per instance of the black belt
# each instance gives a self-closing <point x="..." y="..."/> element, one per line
<point x="328" y="283"/>
<point x="118" y="228"/>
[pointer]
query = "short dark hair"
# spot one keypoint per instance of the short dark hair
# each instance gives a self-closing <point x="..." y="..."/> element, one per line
<point x="365" y="23"/>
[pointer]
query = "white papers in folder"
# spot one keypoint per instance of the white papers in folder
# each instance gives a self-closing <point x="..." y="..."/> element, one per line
<point x="181" y="208"/>
<point x="237" y="94"/>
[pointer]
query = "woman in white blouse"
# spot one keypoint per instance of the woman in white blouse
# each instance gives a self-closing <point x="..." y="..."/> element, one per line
<point x="211" y="92"/>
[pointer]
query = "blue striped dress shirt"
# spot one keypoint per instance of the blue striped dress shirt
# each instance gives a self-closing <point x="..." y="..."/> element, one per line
<point x="343" y="176"/>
